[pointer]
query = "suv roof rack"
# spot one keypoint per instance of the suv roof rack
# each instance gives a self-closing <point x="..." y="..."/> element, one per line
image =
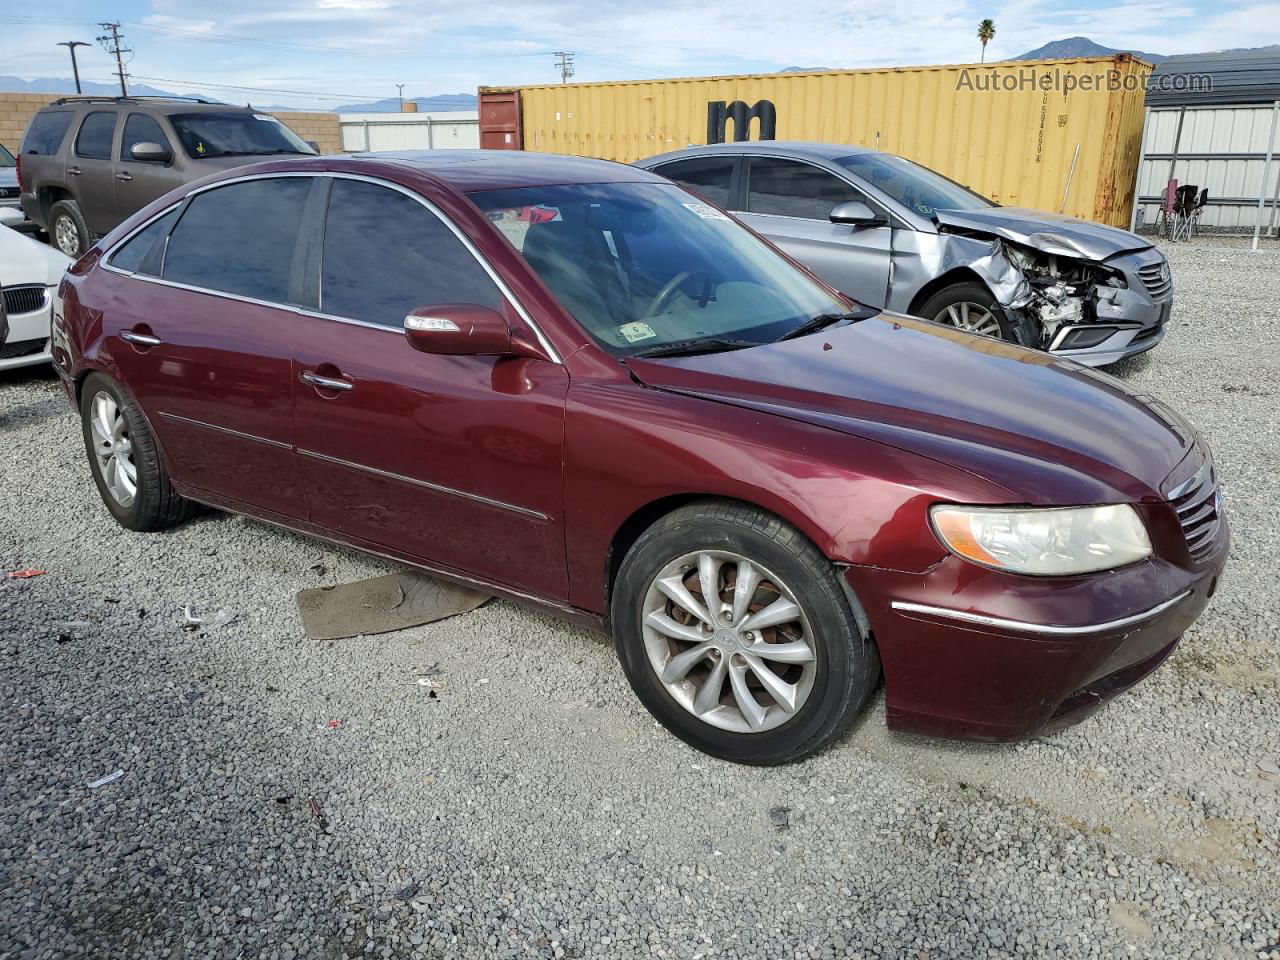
<point x="103" y="98"/>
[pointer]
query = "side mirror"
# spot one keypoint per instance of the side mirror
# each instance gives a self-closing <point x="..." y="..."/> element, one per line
<point x="458" y="329"/>
<point x="856" y="213"/>
<point x="313" y="145"/>
<point x="149" y="152"/>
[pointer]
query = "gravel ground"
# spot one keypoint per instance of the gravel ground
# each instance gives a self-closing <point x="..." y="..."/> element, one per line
<point x="286" y="798"/>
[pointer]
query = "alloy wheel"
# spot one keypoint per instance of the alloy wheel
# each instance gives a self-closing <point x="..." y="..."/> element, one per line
<point x="66" y="237"/>
<point x="729" y="641"/>
<point x="113" y="448"/>
<point x="971" y="318"/>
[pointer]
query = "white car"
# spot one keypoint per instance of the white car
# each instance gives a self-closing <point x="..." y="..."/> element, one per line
<point x="29" y="275"/>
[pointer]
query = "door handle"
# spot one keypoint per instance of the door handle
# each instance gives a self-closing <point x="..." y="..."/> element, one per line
<point x="74" y="171"/>
<point x="124" y="175"/>
<point x="142" y="339"/>
<point x="325" y="383"/>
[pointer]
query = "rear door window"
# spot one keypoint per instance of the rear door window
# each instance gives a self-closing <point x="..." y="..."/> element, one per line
<point x="386" y="254"/>
<point x="240" y="238"/>
<point x="140" y="128"/>
<point x="94" y="139"/>
<point x="45" y="135"/>
<point x="708" y="177"/>
<point x="790" y="188"/>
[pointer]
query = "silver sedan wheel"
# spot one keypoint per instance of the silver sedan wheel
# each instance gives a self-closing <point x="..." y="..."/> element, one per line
<point x="972" y="318"/>
<point x="66" y="236"/>
<point x="113" y="448"/>
<point x="729" y="641"/>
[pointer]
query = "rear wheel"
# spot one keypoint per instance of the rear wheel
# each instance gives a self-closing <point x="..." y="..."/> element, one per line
<point x="735" y="633"/>
<point x="124" y="460"/>
<point x="67" y="229"/>
<point x="969" y="307"/>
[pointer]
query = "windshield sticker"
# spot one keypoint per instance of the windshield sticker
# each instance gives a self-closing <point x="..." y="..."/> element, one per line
<point x="705" y="211"/>
<point x="266" y="117"/>
<point x="200" y="147"/>
<point x="639" y="330"/>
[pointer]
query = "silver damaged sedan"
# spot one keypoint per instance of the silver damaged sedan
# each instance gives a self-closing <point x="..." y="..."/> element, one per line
<point x="896" y="235"/>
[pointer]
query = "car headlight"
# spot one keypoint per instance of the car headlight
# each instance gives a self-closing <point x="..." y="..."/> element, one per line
<point x="1044" y="542"/>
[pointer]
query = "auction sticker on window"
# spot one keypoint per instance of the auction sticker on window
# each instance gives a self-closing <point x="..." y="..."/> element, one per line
<point x="705" y="211"/>
<point x="634" y="332"/>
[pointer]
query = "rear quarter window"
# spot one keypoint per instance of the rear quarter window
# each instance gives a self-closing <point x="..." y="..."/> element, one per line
<point x="47" y="131"/>
<point x="140" y="253"/>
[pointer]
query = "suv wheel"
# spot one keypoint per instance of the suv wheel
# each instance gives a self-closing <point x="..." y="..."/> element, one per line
<point x="734" y="632"/>
<point x="67" y="229"/>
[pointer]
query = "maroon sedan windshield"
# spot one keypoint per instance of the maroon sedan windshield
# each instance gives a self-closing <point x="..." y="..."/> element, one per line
<point x="643" y="265"/>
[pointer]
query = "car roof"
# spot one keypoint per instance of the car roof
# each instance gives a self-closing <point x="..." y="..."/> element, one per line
<point x="470" y="170"/>
<point x="812" y="149"/>
<point x="156" y="104"/>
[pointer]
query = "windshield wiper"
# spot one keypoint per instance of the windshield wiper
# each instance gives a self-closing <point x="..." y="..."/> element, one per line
<point x="695" y="346"/>
<point x="823" y="320"/>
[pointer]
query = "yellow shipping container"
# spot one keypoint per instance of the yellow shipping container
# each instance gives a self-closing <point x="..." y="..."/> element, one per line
<point x="1016" y="132"/>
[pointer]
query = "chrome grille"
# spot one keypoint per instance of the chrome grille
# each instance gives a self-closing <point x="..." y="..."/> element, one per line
<point x="24" y="299"/>
<point x="1156" y="278"/>
<point x="9" y="193"/>
<point x="1199" y="512"/>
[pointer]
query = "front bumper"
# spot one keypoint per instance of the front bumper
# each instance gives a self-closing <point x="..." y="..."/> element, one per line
<point x="1126" y="321"/>
<point x="976" y="654"/>
<point x="28" y="341"/>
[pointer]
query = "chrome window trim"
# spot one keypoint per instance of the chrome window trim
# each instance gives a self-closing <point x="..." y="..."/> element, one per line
<point x="432" y="208"/>
<point x="1040" y="628"/>
<point x="436" y="487"/>
<point x="227" y="430"/>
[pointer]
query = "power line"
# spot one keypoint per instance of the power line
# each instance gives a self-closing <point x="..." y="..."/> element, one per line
<point x="111" y="43"/>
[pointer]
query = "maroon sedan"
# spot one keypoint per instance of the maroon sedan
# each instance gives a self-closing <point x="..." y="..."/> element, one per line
<point x="580" y="387"/>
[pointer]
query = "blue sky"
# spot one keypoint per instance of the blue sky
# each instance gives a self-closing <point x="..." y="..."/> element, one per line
<point x="338" y="51"/>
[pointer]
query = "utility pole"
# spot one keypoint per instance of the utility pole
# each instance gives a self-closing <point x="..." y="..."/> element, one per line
<point x="400" y="92"/>
<point x="564" y="63"/>
<point x="111" y="43"/>
<point x="75" y="70"/>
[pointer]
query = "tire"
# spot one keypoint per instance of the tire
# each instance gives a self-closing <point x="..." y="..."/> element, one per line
<point x="73" y="231"/>
<point x="153" y="505"/>
<point x="947" y="306"/>
<point x="826" y="691"/>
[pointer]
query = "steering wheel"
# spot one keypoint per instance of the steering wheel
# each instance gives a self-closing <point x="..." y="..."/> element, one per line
<point x="659" y="302"/>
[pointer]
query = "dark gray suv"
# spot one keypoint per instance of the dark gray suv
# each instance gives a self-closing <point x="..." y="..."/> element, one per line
<point x="87" y="163"/>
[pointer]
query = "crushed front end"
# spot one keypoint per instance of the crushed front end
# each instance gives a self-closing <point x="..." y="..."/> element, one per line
<point x="1093" y="312"/>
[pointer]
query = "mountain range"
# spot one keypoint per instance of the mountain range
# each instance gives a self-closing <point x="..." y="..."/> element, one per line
<point x="1082" y="47"/>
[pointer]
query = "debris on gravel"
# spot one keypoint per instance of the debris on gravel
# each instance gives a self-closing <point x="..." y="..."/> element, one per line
<point x="285" y="798"/>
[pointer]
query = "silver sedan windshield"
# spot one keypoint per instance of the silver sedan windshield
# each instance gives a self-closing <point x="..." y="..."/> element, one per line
<point x="915" y="187"/>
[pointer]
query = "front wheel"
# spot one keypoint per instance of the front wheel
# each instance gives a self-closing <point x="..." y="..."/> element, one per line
<point x="734" y="631"/>
<point x="969" y="307"/>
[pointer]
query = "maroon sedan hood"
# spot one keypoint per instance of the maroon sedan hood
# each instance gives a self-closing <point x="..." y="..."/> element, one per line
<point x="1048" y="431"/>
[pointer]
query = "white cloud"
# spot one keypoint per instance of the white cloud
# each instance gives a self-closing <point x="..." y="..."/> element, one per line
<point x="366" y="46"/>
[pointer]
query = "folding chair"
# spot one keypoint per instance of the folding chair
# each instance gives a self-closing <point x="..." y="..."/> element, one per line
<point x="1184" y="204"/>
<point x="1164" y="223"/>
<point x="1198" y="210"/>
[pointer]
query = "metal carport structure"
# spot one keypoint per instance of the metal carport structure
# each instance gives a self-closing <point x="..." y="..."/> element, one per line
<point x="1212" y="121"/>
